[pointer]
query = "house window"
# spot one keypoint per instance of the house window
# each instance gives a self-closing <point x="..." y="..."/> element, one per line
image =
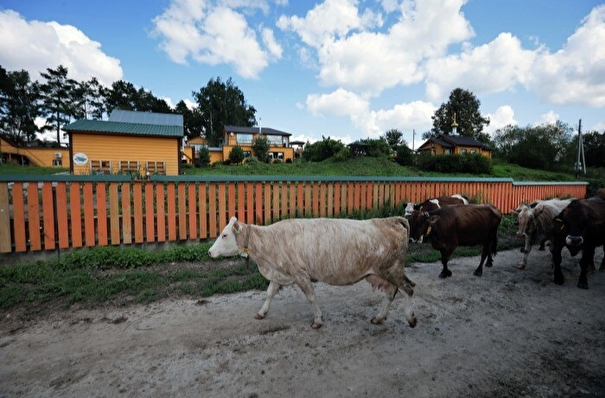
<point x="100" y="167"/>
<point x="57" y="162"/>
<point x="156" y="168"/>
<point x="247" y="154"/>
<point x="276" y="156"/>
<point x="463" y="151"/>
<point x="244" y="138"/>
<point x="473" y="151"/>
<point x="129" y="166"/>
<point x="275" y="140"/>
<point x="447" y="151"/>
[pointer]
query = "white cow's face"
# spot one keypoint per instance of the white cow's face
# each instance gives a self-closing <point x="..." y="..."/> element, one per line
<point x="225" y="244"/>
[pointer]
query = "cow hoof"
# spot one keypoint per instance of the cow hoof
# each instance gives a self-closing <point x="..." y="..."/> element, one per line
<point x="259" y="316"/>
<point x="316" y="325"/>
<point x="445" y="274"/>
<point x="377" y="321"/>
<point x="583" y="285"/>
<point x="521" y="266"/>
<point x="478" y="272"/>
<point x="412" y="323"/>
<point x="559" y="280"/>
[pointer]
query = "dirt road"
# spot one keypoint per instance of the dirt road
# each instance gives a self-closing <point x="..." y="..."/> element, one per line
<point x="509" y="333"/>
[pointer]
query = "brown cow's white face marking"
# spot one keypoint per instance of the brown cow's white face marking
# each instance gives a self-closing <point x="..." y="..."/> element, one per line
<point x="225" y="244"/>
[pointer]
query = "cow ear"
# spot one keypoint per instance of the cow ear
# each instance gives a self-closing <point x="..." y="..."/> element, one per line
<point x="237" y="226"/>
<point x="514" y="212"/>
<point x="417" y="206"/>
<point x="434" y="219"/>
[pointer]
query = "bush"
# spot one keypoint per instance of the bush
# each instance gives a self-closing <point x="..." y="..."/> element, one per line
<point x="236" y="156"/>
<point x="405" y="156"/>
<point x="260" y="147"/>
<point x="322" y="150"/>
<point x="203" y="157"/>
<point x="468" y="163"/>
<point x="343" y="155"/>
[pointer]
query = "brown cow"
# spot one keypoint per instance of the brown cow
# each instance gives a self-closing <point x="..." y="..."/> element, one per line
<point x="433" y="204"/>
<point x="334" y="251"/>
<point x="460" y="225"/>
<point x="580" y="226"/>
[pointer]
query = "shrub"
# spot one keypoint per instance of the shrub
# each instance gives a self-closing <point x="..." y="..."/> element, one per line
<point x="405" y="156"/>
<point x="260" y="146"/>
<point x="322" y="150"/>
<point x="203" y="158"/>
<point x="467" y="163"/>
<point x="236" y="156"/>
<point x="343" y="155"/>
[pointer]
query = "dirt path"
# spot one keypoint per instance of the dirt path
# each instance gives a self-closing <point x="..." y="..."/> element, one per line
<point x="509" y="333"/>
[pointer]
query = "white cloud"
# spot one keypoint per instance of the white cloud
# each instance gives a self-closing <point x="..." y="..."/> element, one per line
<point x="502" y="117"/>
<point x="36" y="46"/>
<point x="414" y="115"/>
<point x="549" y="117"/>
<point x="576" y="73"/>
<point x="190" y="29"/>
<point x="352" y="56"/>
<point x="494" y="67"/>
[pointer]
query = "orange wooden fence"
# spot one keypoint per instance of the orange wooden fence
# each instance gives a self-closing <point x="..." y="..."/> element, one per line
<point x="60" y="211"/>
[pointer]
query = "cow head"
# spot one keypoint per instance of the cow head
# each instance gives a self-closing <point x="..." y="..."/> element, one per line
<point x="526" y="220"/>
<point x="419" y="224"/>
<point x="226" y="243"/>
<point x="574" y="221"/>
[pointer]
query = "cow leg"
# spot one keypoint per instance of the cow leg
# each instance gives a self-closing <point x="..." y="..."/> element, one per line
<point x="556" y="259"/>
<point x="271" y="292"/>
<point x="445" y="256"/>
<point x="389" y="292"/>
<point x="585" y="262"/>
<point x="307" y="288"/>
<point x="525" y="250"/>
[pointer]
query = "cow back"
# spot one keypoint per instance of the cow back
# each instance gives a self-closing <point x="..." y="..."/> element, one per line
<point x="469" y="224"/>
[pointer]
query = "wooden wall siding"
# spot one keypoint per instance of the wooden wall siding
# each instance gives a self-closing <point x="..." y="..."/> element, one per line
<point x="60" y="212"/>
<point x="117" y="148"/>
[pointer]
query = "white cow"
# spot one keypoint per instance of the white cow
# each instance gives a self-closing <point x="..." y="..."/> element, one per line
<point x="536" y="223"/>
<point x="334" y="251"/>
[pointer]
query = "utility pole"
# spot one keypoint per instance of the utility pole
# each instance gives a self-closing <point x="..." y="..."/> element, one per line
<point x="581" y="161"/>
<point x="413" y="139"/>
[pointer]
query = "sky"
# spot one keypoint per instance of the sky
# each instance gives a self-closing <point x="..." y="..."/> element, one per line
<point x="343" y="69"/>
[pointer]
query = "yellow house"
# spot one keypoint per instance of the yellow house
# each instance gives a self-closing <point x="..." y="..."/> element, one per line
<point x="279" y="143"/>
<point x="449" y="144"/>
<point x="14" y="153"/>
<point x="142" y="143"/>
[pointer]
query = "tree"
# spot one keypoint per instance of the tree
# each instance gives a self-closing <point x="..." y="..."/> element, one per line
<point x="393" y="137"/>
<point x="90" y="100"/>
<point x="405" y="156"/>
<point x="222" y="103"/>
<point x="192" y="120"/>
<point x="121" y="95"/>
<point x="236" y="156"/>
<point x="594" y="148"/>
<point x="58" y="99"/>
<point x="19" y="105"/>
<point x="203" y="157"/>
<point x="260" y="146"/>
<point x="463" y="107"/>
<point x="538" y="147"/>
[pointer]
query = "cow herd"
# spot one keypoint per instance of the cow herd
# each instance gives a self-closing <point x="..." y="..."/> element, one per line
<point x="343" y="251"/>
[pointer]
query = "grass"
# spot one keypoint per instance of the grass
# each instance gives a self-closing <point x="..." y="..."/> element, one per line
<point x="30" y="170"/>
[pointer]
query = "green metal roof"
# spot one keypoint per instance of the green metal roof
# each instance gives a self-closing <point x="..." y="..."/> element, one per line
<point x="123" y="128"/>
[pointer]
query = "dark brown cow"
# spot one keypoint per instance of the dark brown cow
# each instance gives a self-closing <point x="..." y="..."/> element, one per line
<point x="433" y="204"/>
<point x="460" y="225"/>
<point x="580" y="226"/>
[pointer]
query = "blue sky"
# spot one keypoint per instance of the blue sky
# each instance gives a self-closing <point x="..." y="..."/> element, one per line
<point x="339" y="68"/>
